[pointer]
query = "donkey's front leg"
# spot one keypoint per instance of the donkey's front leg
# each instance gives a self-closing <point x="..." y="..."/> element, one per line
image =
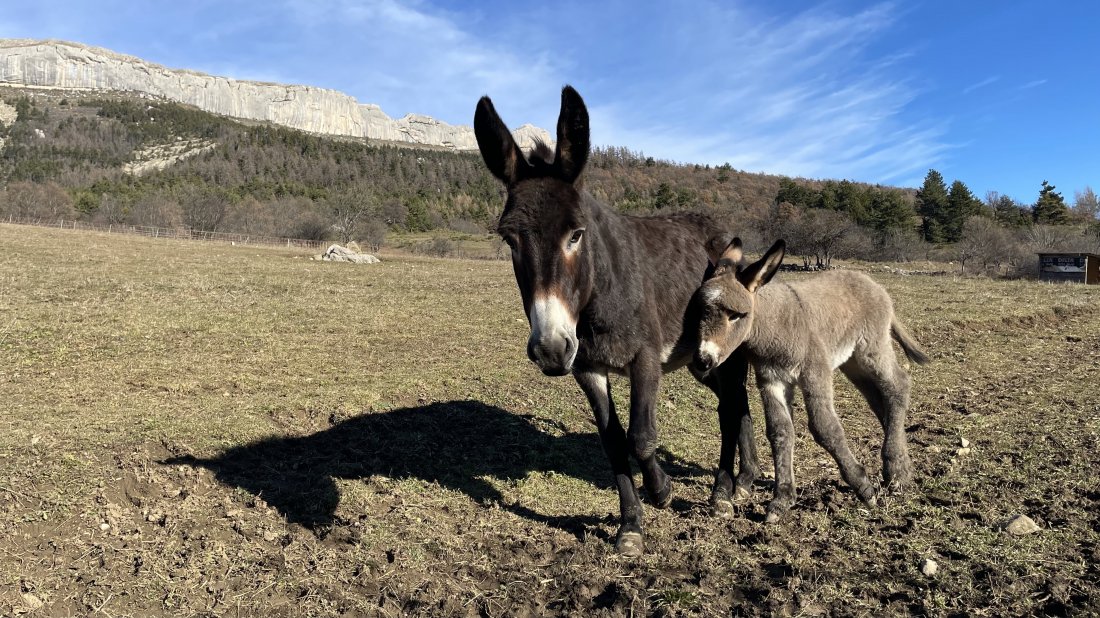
<point x="729" y="382"/>
<point x="594" y="383"/>
<point x="645" y="381"/>
<point x="776" y="396"/>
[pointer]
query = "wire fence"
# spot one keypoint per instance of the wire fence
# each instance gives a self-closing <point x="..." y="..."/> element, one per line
<point x="180" y="233"/>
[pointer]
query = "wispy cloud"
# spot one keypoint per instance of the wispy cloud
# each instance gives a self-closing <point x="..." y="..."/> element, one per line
<point x="985" y="82"/>
<point x="796" y="94"/>
<point x="800" y="95"/>
<point x="413" y="57"/>
<point x="1033" y="84"/>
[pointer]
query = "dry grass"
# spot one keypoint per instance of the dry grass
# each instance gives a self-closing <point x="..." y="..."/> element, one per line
<point x="266" y="435"/>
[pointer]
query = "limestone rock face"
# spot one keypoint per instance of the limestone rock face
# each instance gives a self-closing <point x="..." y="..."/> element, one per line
<point x="72" y="66"/>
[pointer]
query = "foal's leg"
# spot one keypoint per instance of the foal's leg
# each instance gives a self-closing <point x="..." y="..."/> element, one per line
<point x="776" y="396"/>
<point x="817" y="390"/>
<point x="735" y="423"/>
<point x="645" y="381"/>
<point x="595" y="385"/>
<point x="890" y="382"/>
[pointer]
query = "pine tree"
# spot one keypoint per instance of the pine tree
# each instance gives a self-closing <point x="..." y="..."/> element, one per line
<point x="932" y="203"/>
<point x="961" y="205"/>
<point x="1051" y="208"/>
<point x="1009" y="213"/>
<point x="889" y="211"/>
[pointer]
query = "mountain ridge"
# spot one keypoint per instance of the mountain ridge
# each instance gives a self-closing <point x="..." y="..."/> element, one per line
<point x="56" y="64"/>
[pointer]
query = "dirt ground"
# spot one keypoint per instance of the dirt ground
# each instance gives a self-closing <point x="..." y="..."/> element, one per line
<point x="205" y="430"/>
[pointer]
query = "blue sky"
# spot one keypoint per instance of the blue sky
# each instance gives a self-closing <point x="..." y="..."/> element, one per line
<point x="1001" y="95"/>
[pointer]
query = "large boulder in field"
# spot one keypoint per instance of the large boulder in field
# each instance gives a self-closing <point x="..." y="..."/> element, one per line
<point x="336" y="253"/>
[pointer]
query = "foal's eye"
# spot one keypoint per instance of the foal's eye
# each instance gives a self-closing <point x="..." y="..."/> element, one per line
<point x="576" y="237"/>
<point x="733" y="316"/>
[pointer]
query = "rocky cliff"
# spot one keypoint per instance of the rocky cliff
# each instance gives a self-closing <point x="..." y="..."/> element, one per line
<point x="63" y="65"/>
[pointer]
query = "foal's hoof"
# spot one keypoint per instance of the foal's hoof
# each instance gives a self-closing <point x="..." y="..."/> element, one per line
<point x="722" y="508"/>
<point x="629" y="544"/>
<point x="775" y="513"/>
<point x="897" y="483"/>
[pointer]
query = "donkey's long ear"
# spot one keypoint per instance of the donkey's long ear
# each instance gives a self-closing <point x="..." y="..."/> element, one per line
<point x="724" y="247"/>
<point x="499" y="150"/>
<point x="760" y="272"/>
<point x="571" y="152"/>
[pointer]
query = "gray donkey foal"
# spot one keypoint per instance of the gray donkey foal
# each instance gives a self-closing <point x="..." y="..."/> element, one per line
<point x="799" y="333"/>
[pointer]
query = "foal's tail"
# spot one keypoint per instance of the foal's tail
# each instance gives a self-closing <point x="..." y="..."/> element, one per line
<point x="907" y="343"/>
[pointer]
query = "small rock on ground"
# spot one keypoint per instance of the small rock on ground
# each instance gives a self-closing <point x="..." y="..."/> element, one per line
<point x="929" y="567"/>
<point x="1020" y="524"/>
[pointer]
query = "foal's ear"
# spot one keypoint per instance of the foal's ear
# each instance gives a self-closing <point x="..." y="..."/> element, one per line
<point x="571" y="152"/>
<point x="724" y="247"/>
<point x="498" y="148"/>
<point x="760" y="272"/>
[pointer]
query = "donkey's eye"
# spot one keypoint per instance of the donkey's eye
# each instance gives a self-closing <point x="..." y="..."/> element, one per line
<point x="733" y="316"/>
<point x="576" y="237"/>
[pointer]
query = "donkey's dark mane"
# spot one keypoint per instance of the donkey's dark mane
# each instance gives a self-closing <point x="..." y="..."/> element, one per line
<point x="541" y="159"/>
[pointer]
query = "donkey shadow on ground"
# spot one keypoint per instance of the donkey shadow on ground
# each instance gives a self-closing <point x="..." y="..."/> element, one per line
<point x="457" y="444"/>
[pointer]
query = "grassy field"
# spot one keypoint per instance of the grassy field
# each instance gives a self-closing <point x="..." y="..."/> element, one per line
<point x="204" y="430"/>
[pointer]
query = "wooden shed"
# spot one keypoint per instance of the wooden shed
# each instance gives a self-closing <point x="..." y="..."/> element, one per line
<point x="1069" y="267"/>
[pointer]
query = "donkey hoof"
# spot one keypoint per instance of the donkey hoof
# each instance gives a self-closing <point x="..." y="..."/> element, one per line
<point x="662" y="498"/>
<point x="629" y="544"/>
<point x="722" y="508"/>
<point x="869" y="496"/>
<point x="741" y="495"/>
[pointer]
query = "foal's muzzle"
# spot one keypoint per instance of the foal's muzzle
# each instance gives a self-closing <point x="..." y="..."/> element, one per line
<point x="706" y="358"/>
<point x="703" y="363"/>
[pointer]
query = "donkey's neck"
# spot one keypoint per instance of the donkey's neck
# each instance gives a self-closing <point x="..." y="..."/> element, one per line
<point x="776" y="320"/>
<point x="613" y="246"/>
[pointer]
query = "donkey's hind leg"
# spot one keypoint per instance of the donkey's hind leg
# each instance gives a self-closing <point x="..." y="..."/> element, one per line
<point x="885" y="384"/>
<point x="817" y="390"/>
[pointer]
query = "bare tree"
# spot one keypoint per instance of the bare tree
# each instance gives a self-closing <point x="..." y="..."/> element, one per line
<point x="373" y="233"/>
<point x="825" y="234"/>
<point x="31" y="200"/>
<point x="348" y="209"/>
<point x="1086" y="206"/>
<point x="155" y="209"/>
<point x="1049" y="237"/>
<point x="983" y="241"/>
<point x="203" y="208"/>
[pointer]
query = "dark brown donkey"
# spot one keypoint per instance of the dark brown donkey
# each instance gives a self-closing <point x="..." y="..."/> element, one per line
<point x="606" y="292"/>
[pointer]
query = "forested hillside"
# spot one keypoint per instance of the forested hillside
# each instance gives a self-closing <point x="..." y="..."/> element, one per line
<point x="137" y="161"/>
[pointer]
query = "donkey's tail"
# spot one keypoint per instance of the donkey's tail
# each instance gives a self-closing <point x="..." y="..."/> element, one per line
<point x="907" y="343"/>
